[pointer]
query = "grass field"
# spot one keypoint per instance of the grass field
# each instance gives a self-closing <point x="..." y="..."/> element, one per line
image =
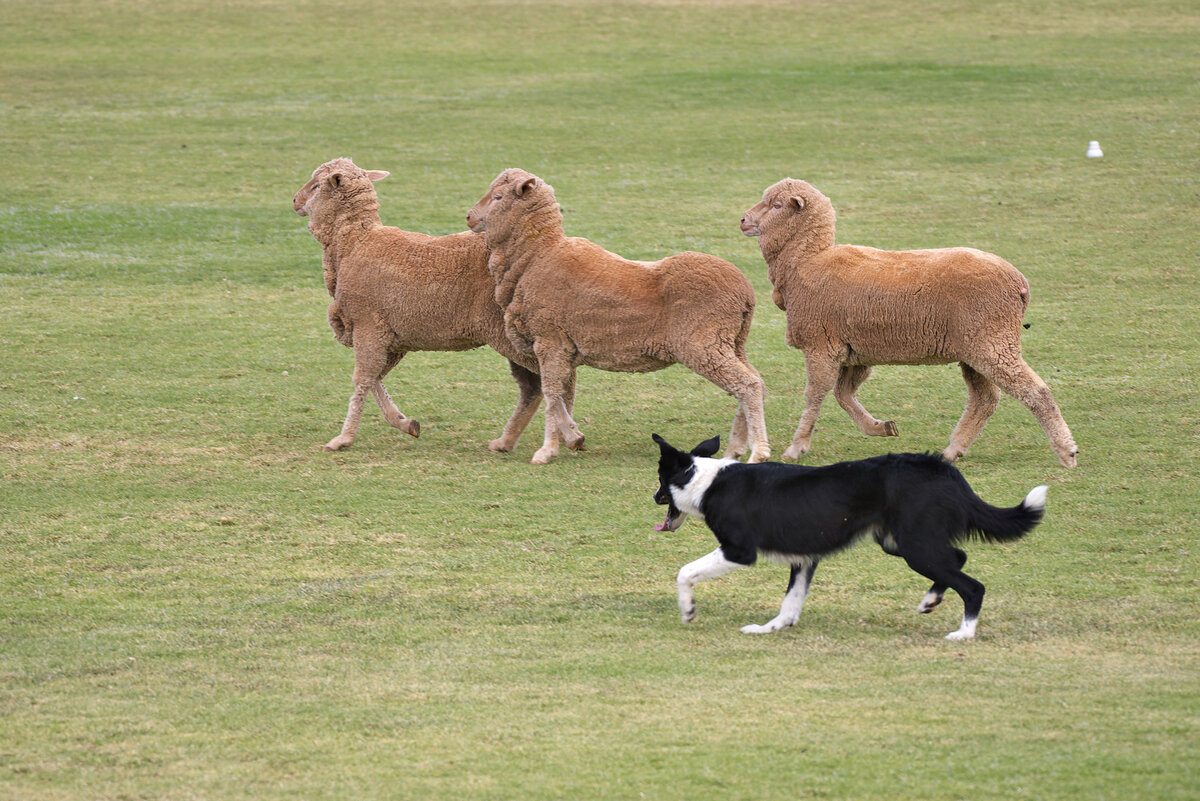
<point x="196" y="602"/>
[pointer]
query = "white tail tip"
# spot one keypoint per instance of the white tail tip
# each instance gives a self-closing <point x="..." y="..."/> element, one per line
<point x="1036" y="499"/>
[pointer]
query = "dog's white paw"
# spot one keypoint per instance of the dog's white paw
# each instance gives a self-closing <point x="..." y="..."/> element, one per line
<point x="929" y="603"/>
<point x="768" y="627"/>
<point x="966" y="629"/>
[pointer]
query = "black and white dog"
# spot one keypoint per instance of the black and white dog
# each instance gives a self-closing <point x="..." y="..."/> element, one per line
<point x="916" y="506"/>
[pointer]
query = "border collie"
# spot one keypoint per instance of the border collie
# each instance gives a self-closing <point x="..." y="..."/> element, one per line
<point x="915" y="505"/>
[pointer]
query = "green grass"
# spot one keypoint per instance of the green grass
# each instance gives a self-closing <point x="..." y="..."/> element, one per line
<point x="197" y="602"/>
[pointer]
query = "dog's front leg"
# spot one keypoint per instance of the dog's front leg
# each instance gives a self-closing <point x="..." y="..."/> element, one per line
<point x="706" y="567"/>
<point x="793" y="600"/>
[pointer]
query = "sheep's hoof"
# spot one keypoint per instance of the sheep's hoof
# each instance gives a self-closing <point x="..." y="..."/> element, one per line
<point x="499" y="446"/>
<point x="759" y="456"/>
<point x="890" y="430"/>
<point x="951" y="454"/>
<point x="413" y="427"/>
<point x="577" y="444"/>
<point x="543" y="456"/>
<point x="338" y="443"/>
<point x="795" y="452"/>
<point x="1068" y="460"/>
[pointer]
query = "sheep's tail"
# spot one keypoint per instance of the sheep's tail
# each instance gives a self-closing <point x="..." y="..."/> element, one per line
<point x="343" y="331"/>
<point x="744" y="333"/>
<point x="994" y="524"/>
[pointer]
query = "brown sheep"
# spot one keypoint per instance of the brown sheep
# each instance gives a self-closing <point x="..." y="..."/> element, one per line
<point x="569" y="302"/>
<point x="395" y="291"/>
<point x="851" y="307"/>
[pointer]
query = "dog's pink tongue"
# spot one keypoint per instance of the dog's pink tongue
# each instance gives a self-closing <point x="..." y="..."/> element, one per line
<point x="663" y="525"/>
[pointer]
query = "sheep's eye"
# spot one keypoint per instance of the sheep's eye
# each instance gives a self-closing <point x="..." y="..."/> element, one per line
<point x="496" y="197"/>
<point x="777" y="205"/>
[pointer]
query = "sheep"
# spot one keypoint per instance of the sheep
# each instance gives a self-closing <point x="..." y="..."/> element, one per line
<point x="568" y="302"/>
<point x="395" y="292"/>
<point x="849" y="308"/>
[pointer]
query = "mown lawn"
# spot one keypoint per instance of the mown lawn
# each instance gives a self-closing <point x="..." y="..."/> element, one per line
<point x="197" y="602"/>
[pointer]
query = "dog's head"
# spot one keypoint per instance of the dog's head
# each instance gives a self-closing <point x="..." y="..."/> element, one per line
<point x="675" y="470"/>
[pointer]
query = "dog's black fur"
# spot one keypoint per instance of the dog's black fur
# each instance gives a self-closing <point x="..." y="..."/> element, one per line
<point x="916" y="506"/>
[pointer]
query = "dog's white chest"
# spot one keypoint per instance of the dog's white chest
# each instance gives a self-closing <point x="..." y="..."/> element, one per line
<point x="689" y="498"/>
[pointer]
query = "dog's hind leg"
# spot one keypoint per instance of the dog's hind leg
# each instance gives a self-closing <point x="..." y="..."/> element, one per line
<point x="793" y="601"/>
<point x="706" y="567"/>
<point x="934" y="596"/>
<point x="942" y="568"/>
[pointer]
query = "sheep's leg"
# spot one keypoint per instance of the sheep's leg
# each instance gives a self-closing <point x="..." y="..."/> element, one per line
<point x="572" y="437"/>
<point x="821" y="377"/>
<point x="393" y="415"/>
<point x="743" y="382"/>
<point x="982" y="398"/>
<point x="738" y="434"/>
<point x="369" y="366"/>
<point x="558" y="380"/>
<point x="850" y="378"/>
<point x="1019" y="380"/>
<point x="569" y="404"/>
<point x="571" y="434"/>
<point x="529" y="385"/>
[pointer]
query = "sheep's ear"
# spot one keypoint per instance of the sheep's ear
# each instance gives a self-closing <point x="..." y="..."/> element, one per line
<point x="797" y="201"/>
<point x="335" y="179"/>
<point x="525" y="186"/>
<point x="377" y="175"/>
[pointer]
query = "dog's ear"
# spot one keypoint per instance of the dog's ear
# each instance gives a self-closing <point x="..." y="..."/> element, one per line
<point x="708" y="447"/>
<point x="663" y="445"/>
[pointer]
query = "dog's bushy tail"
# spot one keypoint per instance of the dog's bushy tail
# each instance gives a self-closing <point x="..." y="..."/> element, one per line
<point x="993" y="524"/>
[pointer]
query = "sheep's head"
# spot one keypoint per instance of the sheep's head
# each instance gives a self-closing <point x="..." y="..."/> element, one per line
<point x="789" y="209"/>
<point x="514" y="193"/>
<point x="338" y="181"/>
